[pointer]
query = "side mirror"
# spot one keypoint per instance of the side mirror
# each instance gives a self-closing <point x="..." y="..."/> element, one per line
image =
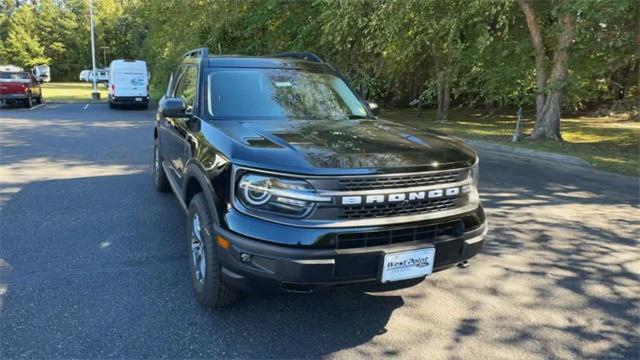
<point x="373" y="107"/>
<point x="173" y="107"/>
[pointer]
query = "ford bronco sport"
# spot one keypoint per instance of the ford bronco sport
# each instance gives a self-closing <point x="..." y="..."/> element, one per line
<point x="290" y="181"/>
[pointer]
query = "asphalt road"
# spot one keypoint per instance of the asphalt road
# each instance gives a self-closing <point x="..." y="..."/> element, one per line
<point x="93" y="264"/>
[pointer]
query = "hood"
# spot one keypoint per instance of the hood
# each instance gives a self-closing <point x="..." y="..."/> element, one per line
<point x="344" y="146"/>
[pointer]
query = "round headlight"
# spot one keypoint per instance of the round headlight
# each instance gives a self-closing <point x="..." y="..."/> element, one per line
<point x="256" y="197"/>
<point x="276" y="195"/>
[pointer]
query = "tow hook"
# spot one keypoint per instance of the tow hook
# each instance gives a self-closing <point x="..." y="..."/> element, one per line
<point x="464" y="264"/>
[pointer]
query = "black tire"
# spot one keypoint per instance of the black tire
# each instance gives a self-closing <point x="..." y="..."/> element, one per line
<point x="160" y="180"/>
<point x="29" y="102"/>
<point x="112" y="105"/>
<point x="209" y="287"/>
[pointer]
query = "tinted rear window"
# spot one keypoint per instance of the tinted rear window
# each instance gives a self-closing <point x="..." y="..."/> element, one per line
<point x="14" y="75"/>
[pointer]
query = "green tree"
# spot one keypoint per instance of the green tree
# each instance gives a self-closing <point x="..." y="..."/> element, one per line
<point x="600" y="32"/>
<point x="549" y="86"/>
<point x="22" y="47"/>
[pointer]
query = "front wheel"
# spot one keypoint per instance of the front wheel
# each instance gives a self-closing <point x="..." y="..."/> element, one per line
<point x="206" y="271"/>
<point x="161" y="182"/>
<point x="29" y="102"/>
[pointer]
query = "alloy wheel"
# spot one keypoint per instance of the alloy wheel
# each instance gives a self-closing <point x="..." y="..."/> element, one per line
<point x="156" y="160"/>
<point x="197" y="249"/>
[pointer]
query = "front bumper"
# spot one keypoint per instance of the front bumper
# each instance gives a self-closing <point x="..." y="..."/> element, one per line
<point x="10" y="98"/>
<point x="268" y="266"/>
<point x="129" y="99"/>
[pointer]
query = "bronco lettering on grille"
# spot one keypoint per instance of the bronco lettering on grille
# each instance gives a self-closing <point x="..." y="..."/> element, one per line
<point x="399" y="197"/>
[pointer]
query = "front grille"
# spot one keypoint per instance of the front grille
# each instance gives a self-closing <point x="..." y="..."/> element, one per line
<point x="427" y="233"/>
<point x="395" y="181"/>
<point x="365" y="211"/>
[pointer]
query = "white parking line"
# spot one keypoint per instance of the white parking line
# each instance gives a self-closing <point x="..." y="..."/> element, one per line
<point x="37" y="106"/>
<point x="85" y="107"/>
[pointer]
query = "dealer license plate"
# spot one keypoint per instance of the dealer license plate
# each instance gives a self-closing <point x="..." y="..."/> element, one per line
<point x="138" y="99"/>
<point x="407" y="264"/>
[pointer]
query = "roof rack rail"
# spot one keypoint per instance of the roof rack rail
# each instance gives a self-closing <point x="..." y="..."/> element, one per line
<point x="302" y="55"/>
<point x="197" y="53"/>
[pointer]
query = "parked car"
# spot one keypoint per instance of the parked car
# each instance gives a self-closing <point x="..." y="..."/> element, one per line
<point x="42" y="73"/>
<point x="128" y="83"/>
<point x="102" y="75"/>
<point x="290" y="181"/>
<point x="19" y="87"/>
<point x="84" y="75"/>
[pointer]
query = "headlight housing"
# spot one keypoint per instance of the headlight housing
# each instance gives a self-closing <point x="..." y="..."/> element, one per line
<point x="275" y="195"/>
<point x="474" y="174"/>
<point x="472" y="188"/>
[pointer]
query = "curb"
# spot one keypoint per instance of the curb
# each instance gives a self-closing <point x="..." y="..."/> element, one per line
<point x="528" y="153"/>
<point x="548" y="159"/>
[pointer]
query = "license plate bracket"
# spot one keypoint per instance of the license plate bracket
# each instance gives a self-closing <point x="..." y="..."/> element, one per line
<point x="408" y="264"/>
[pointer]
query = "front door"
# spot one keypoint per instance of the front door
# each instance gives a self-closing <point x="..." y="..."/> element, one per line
<point x="175" y="145"/>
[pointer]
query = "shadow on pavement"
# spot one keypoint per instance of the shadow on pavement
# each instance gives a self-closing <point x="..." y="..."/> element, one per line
<point x="94" y="265"/>
<point x="98" y="269"/>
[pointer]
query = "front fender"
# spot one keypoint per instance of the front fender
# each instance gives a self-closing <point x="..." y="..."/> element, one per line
<point x="193" y="175"/>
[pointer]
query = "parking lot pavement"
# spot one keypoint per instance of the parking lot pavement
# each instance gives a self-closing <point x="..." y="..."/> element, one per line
<point x="93" y="264"/>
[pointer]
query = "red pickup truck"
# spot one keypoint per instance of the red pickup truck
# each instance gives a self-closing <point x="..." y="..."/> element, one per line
<point x="19" y="87"/>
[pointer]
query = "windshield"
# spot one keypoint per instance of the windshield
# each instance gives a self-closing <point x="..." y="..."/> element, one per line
<point x="280" y="93"/>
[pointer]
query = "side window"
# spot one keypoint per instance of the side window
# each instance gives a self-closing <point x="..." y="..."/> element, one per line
<point x="187" y="86"/>
<point x="172" y="79"/>
<point x="173" y="82"/>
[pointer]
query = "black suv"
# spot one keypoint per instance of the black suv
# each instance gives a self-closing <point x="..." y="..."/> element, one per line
<point x="290" y="181"/>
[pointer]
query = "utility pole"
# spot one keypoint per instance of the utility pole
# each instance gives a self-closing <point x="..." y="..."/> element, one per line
<point x="104" y="53"/>
<point x="95" y="94"/>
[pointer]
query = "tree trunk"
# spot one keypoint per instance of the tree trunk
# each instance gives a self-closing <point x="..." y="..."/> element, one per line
<point x="549" y="126"/>
<point x="538" y="46"/>
<point x="444" y="97"/>
<point x="446" y="101"/>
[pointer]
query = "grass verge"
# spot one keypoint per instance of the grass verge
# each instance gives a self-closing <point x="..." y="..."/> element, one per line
<point x="72" y="92"/>
<point x="610" y="142"/>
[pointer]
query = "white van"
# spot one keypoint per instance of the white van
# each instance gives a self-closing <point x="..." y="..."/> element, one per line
<point x="128" y="83"/>
<point x="42" y="73"/>
<point x="84" y="75"/>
